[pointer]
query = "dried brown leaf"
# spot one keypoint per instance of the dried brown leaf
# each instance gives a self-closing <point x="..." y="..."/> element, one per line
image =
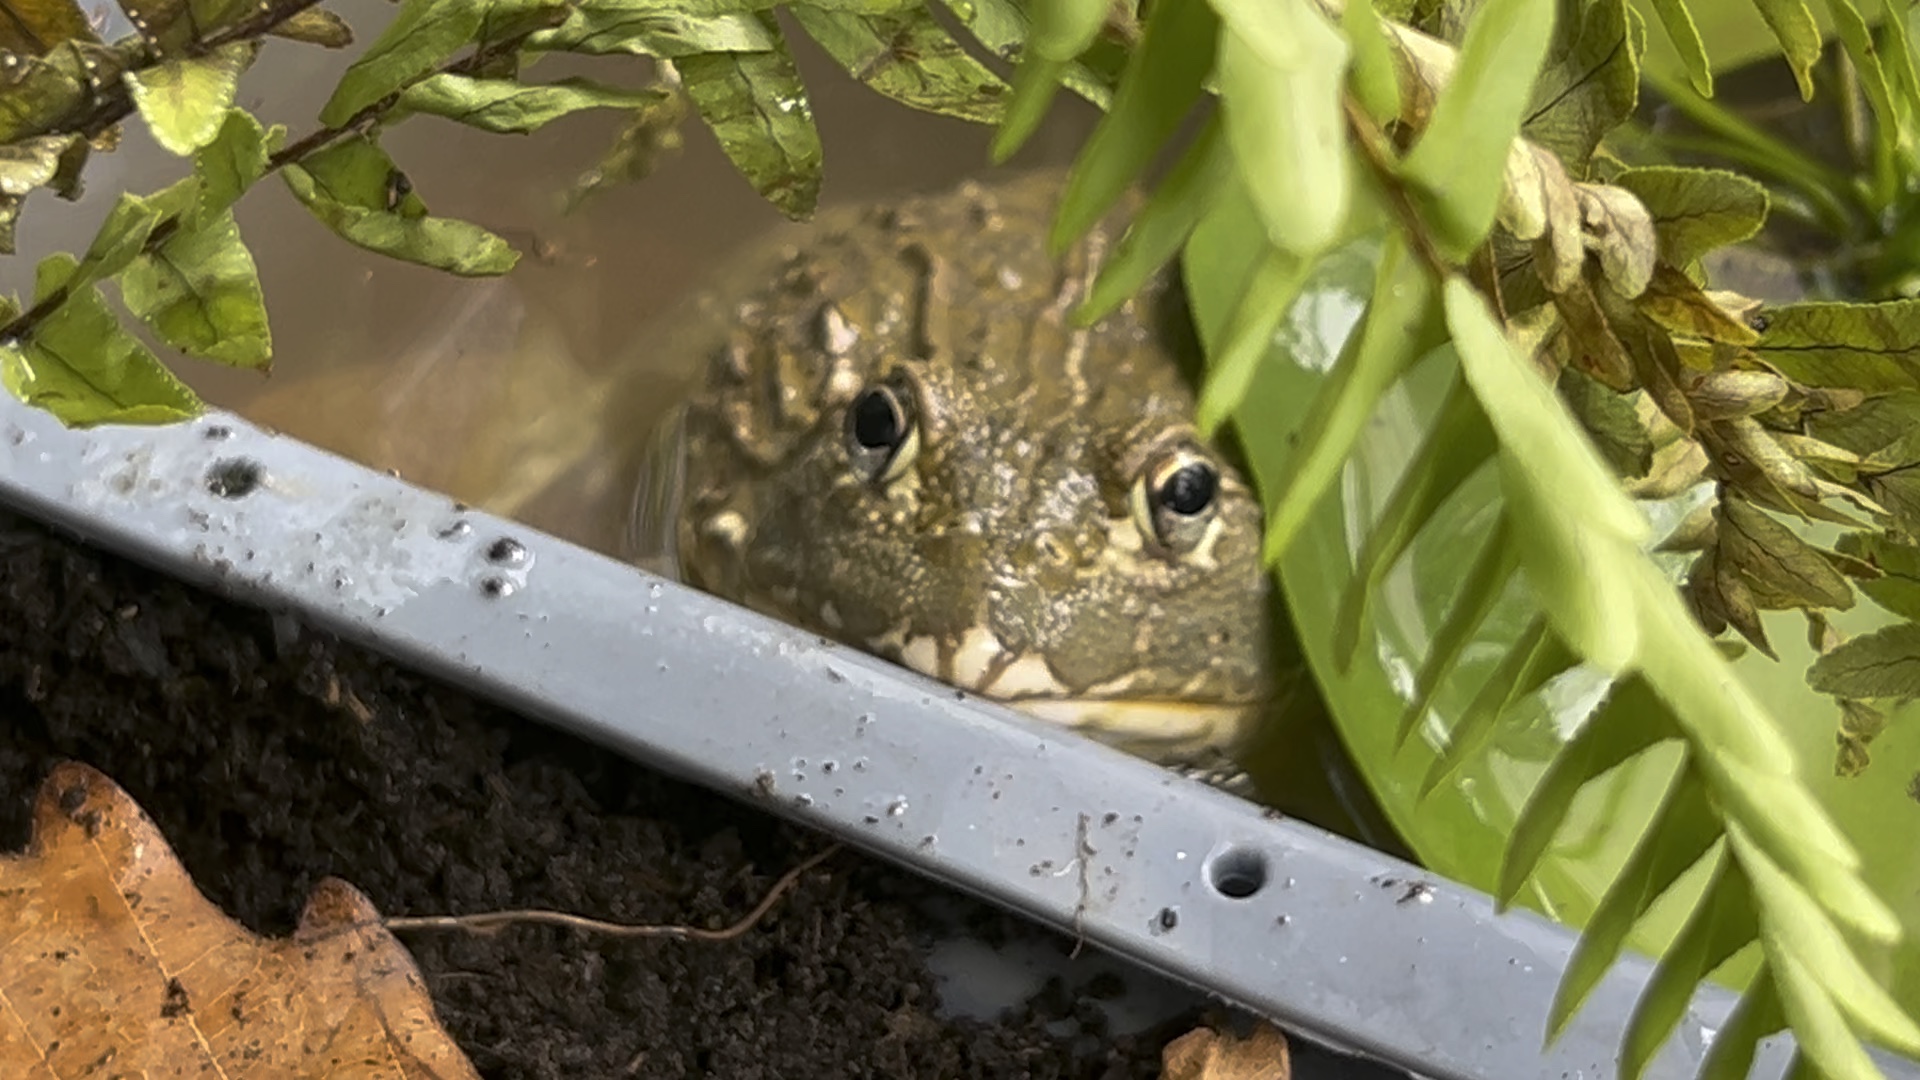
<point x="111" y="953"/>
<point x="1207" y="1054"/>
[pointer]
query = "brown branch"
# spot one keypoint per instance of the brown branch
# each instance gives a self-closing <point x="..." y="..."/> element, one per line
<point x="1379" y="159"/>
<point x="488" y="921"/>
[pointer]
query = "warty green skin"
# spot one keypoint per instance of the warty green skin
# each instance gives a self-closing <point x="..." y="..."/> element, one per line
<point x="1014" y="551"/>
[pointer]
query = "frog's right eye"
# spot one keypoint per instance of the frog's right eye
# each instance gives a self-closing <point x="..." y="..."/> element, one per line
<point x="883" y="435"/>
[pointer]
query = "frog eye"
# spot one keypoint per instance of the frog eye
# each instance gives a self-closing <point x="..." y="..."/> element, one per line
<point x="883" y="435"/>
<point x="1173" y="500"/>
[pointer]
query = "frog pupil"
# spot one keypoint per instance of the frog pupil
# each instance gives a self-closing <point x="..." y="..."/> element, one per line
<point x="1189" y="490"/>
<point x="877" y="421"/>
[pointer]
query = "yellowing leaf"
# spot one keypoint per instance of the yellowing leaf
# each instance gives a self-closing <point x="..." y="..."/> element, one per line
<point x="316" y="26"/>
<point x="113" y="955"/>
<point x="201" y="293"/>
<point x="1461" y="157"/>
<point x="185" y="101"/>
<point x="79" y="364"/>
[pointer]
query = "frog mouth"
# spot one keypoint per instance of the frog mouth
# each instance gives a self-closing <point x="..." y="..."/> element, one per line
<point x="1156" y="728"/>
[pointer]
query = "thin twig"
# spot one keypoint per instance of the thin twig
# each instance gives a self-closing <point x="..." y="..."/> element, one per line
<point x="1373" y="147"/>
<point x="488" y="921"/>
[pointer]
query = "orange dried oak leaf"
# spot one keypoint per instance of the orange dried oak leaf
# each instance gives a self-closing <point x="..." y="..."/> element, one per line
<point x="113" y="963"/>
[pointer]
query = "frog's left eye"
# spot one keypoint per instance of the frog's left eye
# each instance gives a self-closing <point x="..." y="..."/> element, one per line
<point x="1173" y="500"/>
<point x="883" y="432"/>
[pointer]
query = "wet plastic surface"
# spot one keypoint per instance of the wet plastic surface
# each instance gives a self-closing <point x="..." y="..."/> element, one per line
<point x="1338" y="942"/>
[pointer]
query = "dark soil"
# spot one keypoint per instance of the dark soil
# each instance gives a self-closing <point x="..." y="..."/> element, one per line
<point x="272" y="757"/>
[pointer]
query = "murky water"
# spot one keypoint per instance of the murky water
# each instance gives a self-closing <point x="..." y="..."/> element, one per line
<point x="479" y="387"/>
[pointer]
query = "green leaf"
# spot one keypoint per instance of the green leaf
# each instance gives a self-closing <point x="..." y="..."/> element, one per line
<point x="1282" y="69"/>
<point x="1857" y="37"/>
<point x="231" y="163"/>
<point x="315" y="26"/>
<point x="646" y="28"/>
<point x="1684" y="831"/>
<point x="1573" y="523"/>
<point x="1869" y="347"/>
<point x="201" y="294"/>
<point x="1537" y="656"/>
<point x="1696" y="210"/>
<point x="1480" y="592"/>
<point x="1793" y="924"/>
<point x="1158" y="89"/>
<point x="1611" y="419"/>
<point x="1757" y="1016"/>
<point x="1590" y="82"/>
<point x="1034" y="83"/>
<point x="1061" y="30"/>
<point x="185" y="101"/>
<point x="1900" y="58"/>
<point x="1722" y="924"/>
<point x="909" y="57"/>
<point x="1799" y="36"/>
<point x="1001" y="25"/>
<point x="1685" y="36"/>
<point x="506" y="106"/>
<point x="1249" y="333"/>
<point x="1819" y="1028"/>
<point x="1461" y="157"/>
<point x="1633" y="721"/>
<point x="424" y="35"/>
<point x="120" y="240"/>
<point x="1374" y="76"/>
<point x="1160" y="228"/>
<point x="1772" y="555"/>
<point x="32" y="27"/>
<point x="1401" y="323"/>
<point x="1882" y="664"/>
<point x="82" y="367"/>
<point x="1898" y="587"/>
<point x="1458" y="444"/>
<point x="348" y="185"/>
<point x="758" y="109"/>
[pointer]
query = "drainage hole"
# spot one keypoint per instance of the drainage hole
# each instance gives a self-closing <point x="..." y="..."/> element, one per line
<point x="235" y="478"/>
<point x="1238" y="873"/>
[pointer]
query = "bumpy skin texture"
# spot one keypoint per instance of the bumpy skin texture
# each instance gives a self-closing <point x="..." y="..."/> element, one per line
<point x="1011" y="546"/>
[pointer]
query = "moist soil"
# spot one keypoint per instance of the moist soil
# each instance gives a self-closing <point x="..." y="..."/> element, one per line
<point x="272" y="757"/>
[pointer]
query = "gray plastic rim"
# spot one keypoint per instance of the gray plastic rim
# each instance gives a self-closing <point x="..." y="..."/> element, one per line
<point x="1339" y="943"/>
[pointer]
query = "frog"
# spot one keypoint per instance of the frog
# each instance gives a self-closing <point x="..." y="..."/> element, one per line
<point x="909" y="443"/>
